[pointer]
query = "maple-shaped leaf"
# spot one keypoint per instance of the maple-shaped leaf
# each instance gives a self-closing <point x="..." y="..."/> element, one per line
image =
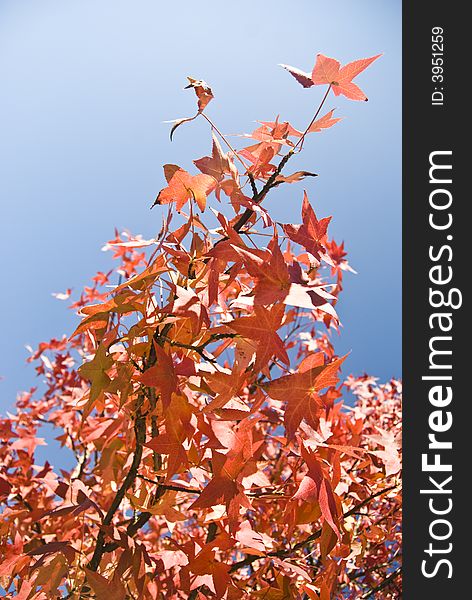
<point x="183" y="187"/>
<point x="329" y="71"/>
<point x="185" y="303"/>
<point x="138" y="282"/>
<point x="300" y="391"/>
<point x="178" y="415"/>
<point x="312" y="297"/>
<point x="270" y="129"/>
<point x="275" y="132"/>
<point x="312" y="233"/>
<point x="225" y="387"/>
<point x="51" y="575"/>
<point x="218" y="164"/>
<point x="165" y="443"/>
<point x="224" y="485"/>
<point x="272" y="280"/>
<point x="251" y="539"/>
<point x="316" y="486"/>
<point x="104" y="588"/>
<point x="260" y="156"/>
<point x="210" y="572"/>
<point x="261" y="329"/>
<point x="220" y="489"/>
<point x="28" y="443"/>
<point x="270" y="273"/>
<point x="161" y="375"/>
<point x="390" y="456"/>
<point x="241" y="448"/>
<point x="95" y="371"/>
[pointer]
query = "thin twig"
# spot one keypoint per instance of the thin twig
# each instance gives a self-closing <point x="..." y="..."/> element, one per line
<point x="383" y="585"/>
<point x="315" y="116"/>
<point x="271" y="182"/>
<point x="213" y="126"/>
<point x="171" y="487"/>
<point x="140" y="436"/>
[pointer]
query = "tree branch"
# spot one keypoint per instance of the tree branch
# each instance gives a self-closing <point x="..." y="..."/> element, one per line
<point x="383" y="585"/>
<point x="315" y="116"/>
<point x="271" y="182"/>
<point x="259" y="197"/>
<point x="174" y="488"/>
<point x="140" y="436"/>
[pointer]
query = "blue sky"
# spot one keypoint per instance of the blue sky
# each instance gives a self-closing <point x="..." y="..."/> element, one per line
<point x="86" y="86"/>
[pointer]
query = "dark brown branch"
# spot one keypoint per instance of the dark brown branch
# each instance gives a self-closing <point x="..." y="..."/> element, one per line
<point x="213" y="338"/>
<point x="271" y="182"/>
<point x="198" y="349"/>
<point x="259" y="197"/>
<point x="140" y="436"/>
<point x="35" y="525"/>
<point x="171" y="487"/>
<point x="363" y="573"/>
<point x="253" y="184"/>
<point x="387" y="581"/>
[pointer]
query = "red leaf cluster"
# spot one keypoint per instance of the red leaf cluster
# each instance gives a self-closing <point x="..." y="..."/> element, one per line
<point x="200" y="395"/>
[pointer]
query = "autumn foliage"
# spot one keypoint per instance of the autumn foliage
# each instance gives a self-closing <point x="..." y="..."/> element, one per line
<point x="202" y="398"/>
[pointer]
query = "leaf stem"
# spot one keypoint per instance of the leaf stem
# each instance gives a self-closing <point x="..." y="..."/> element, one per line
<point x="271" y="182"/>
<point x="213" y="126"/>
<point x="315" y="116"/>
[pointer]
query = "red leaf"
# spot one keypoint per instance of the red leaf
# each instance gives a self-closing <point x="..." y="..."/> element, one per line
<point x="324" y="122"/>
<point x="300" y="391"/>
<point x="315" y="486"/>
<point x="184" y="187"/>
<point x="262" y="330"/>
<point x="329" y="71"/>
<point x="218" y="164"/>
<point x="104" y="588"/>
<point x="312" y="233"/>
<point x="161" y="375"/>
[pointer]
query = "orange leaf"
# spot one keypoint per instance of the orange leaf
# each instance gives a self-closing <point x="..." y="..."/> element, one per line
<point x="300" y="391"/>
<point x="184" y="187"/>
<point x="329" y="71"/>
<point x="104" y="588"/>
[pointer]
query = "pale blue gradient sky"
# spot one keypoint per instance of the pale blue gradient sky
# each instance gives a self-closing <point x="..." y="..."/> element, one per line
<point x="86" y="85"/>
